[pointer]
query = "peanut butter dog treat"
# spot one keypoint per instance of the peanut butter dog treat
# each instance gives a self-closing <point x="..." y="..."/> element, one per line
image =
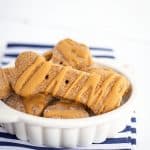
<point x="92" y="89"/>
<point x="15" y="101"/>
<point x="70" y="53"/>
<point x="35" y="104"/>
<point x="65" y="109"/>
<point x="5" y="88"/>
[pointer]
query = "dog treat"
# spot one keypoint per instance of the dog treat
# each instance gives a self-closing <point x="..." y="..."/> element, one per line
<point x="99" y="93"/>
<point x="35" y="104"/>
<point x="5" y="88"/>
<point x="63" y="83"/>
<point x="70" y="53"/>
<point x="15" y="101"/>
<point x="7" y="81"/>
<point x="106" y="72"/>
<point x="11" y="75"/>
<point x="65" y="109"/>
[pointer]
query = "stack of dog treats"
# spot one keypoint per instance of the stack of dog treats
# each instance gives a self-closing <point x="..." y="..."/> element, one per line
<point x="62" y="83"/>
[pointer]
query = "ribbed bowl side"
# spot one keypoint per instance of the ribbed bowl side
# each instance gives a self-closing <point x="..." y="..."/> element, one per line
<point x="20" y="130"/>
<point x="86" y="136"/>
<point x="101" y="132"/>
<point x="34" y="134"/>
<point x="9" y="128"/>
<point x="65" y="137"/>
<point x="52" y="137"/>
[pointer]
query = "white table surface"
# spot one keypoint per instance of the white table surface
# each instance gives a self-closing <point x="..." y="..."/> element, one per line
<point x="122" y="26"/>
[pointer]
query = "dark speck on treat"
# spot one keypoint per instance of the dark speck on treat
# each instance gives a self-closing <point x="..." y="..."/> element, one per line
<point x="66" y="81"/>
<point x="46" y="77"/>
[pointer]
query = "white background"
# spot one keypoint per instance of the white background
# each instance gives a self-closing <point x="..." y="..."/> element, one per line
<point x="123" y="25"/>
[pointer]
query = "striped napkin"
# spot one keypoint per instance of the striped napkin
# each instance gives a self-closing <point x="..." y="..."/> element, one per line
<point x="126" y="139"/>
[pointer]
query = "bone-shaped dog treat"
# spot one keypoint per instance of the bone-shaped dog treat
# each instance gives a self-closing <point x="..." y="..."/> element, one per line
<point x="70" y="53"/>
<point x="65" y="109"/>
<point x="91" y="89"/>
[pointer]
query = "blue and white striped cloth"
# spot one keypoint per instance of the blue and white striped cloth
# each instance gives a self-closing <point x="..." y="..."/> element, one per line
<point x="125" y="139"/>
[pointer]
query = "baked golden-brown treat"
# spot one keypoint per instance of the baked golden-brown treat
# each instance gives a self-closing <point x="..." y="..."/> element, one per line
<point x="66" y="72"/>
<point x="70" y="53"/>
<point x="35" y="104"/>
<point x="8" y="76"/>
<point x="65" y="109"/>
<point x="11" y="76"/>
<point x="99" y="93"/>
<point x="15" y="101"/>
<point x="5" y="89"/>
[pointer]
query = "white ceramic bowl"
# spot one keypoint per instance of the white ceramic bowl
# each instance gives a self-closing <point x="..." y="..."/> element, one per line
<point x="69" y="132"/>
